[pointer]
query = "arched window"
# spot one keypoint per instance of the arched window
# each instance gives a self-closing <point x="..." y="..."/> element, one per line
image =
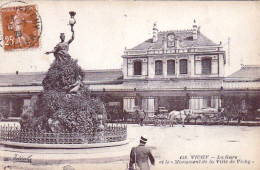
<point x="137" y="68"/>
<point x="158" y="67"/>
<point x="183" y="66"/>
<point x="170" y="67"/>
<point x="206" y="66"/>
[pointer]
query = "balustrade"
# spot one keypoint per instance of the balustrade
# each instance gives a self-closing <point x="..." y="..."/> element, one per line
<point x="112" y="133"/>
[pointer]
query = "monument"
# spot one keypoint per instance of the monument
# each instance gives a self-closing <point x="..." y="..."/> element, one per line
<point x="65" y="104"/>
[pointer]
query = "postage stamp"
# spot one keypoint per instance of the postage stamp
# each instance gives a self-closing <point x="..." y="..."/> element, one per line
<point x="21" y="27"/>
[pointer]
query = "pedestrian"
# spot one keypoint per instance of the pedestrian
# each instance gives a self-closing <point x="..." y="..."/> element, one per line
<point x="141" y="117"/>
<point x="239" y="117"/>
<point x="136" y="115"/>
<point x="124" y="115"/>
<point x="139" y="156"/>
<point x="157" y="112"/>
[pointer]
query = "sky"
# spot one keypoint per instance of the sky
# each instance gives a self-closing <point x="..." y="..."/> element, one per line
<point x="104" y="29"/>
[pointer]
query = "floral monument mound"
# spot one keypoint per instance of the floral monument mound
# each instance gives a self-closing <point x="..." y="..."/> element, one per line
<point x="65" y="104"/>
<point x="59" y="108"/>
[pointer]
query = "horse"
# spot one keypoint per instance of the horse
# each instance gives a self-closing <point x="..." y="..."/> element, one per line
<point x="179" y="115"/>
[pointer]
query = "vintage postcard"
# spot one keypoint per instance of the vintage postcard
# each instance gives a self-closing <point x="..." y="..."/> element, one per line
<point x="129" y="85"/>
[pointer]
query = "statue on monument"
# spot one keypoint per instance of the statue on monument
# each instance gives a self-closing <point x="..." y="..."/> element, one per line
<point x="62" y="57"/>
<point x="74" y="88"/>
<point x="61" y="50"/>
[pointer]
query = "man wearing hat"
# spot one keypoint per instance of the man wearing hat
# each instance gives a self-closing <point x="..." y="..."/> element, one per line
<point x="140" y="155"/>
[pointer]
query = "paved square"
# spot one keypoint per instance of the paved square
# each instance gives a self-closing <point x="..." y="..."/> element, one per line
<point x="216" y="143"/>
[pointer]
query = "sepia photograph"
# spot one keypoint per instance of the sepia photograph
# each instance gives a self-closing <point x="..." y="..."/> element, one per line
<point x="129" y="85"/>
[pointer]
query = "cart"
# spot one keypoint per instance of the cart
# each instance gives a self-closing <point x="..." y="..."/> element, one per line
<point x="209" y="116"/>
<point x="160" y="119"/>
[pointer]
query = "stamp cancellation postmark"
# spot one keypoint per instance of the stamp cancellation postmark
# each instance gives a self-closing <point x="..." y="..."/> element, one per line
<point x="21" y="27"/>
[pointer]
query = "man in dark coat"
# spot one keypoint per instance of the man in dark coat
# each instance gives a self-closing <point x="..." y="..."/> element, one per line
<point x="140" y="155"/>
<point x="141" y="117"/>
<point x="136" y="115"/>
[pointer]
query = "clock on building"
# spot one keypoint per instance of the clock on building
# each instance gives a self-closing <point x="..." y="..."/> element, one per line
<point x="171" y="40"/>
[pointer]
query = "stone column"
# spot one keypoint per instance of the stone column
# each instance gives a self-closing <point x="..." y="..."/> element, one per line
<point x="177" y="67"/>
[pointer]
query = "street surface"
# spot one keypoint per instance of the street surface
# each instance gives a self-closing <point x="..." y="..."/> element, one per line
<point x="190" y="147"/>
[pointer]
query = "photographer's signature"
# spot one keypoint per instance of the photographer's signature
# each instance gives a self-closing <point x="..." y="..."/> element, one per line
<point x="19" y="158"/>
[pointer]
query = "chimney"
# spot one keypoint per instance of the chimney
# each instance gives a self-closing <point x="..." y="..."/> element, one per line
<point x="16" y="72"/>
<point x="241" y="63"/>
<point x="195" y="30"/>
<point x="155" y="32"/>
<point x="125" y="51"/>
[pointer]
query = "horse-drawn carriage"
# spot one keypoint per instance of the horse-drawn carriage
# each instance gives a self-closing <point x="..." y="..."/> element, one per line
<point x="159" y="118"/>
<point x="203" y="116"/>
<point x="163" y="117"/>
<point x="209" y="116"/>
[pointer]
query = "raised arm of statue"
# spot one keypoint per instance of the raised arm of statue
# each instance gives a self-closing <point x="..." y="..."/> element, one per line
<point x="72" y="37"/>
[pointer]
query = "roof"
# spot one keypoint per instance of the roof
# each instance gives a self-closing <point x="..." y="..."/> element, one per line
<point x="185" y="40"/>
<point x="160" y="85"/>
<point x="167" y="85"/>
<point x="35" y="78"/>
<point x="175" y="85"/>
<point x="102" y="76"/>
<point x="30" y="78"/>
<point x="21" y="89"/>
<point x="247" y="72"/>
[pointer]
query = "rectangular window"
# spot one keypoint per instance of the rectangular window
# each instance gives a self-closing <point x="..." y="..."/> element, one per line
<point x="137" y="68"/>
<point x="170" y="67"/>
<point x="214" y="102"/>
<point x="158" y="67"/>
<point x="129" y="104"/>
<point x="206" y="102"/>
<point x="206" y="66"/>
<point x="183" y="67"/>
<point x="148" y="104"/>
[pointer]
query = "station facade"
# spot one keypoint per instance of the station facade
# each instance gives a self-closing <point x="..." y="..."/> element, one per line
<point x="175" y="69"/>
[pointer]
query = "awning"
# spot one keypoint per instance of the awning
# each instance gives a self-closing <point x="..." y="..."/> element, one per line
<point x="160" y="85"/>
<point x="21" y="89"/>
